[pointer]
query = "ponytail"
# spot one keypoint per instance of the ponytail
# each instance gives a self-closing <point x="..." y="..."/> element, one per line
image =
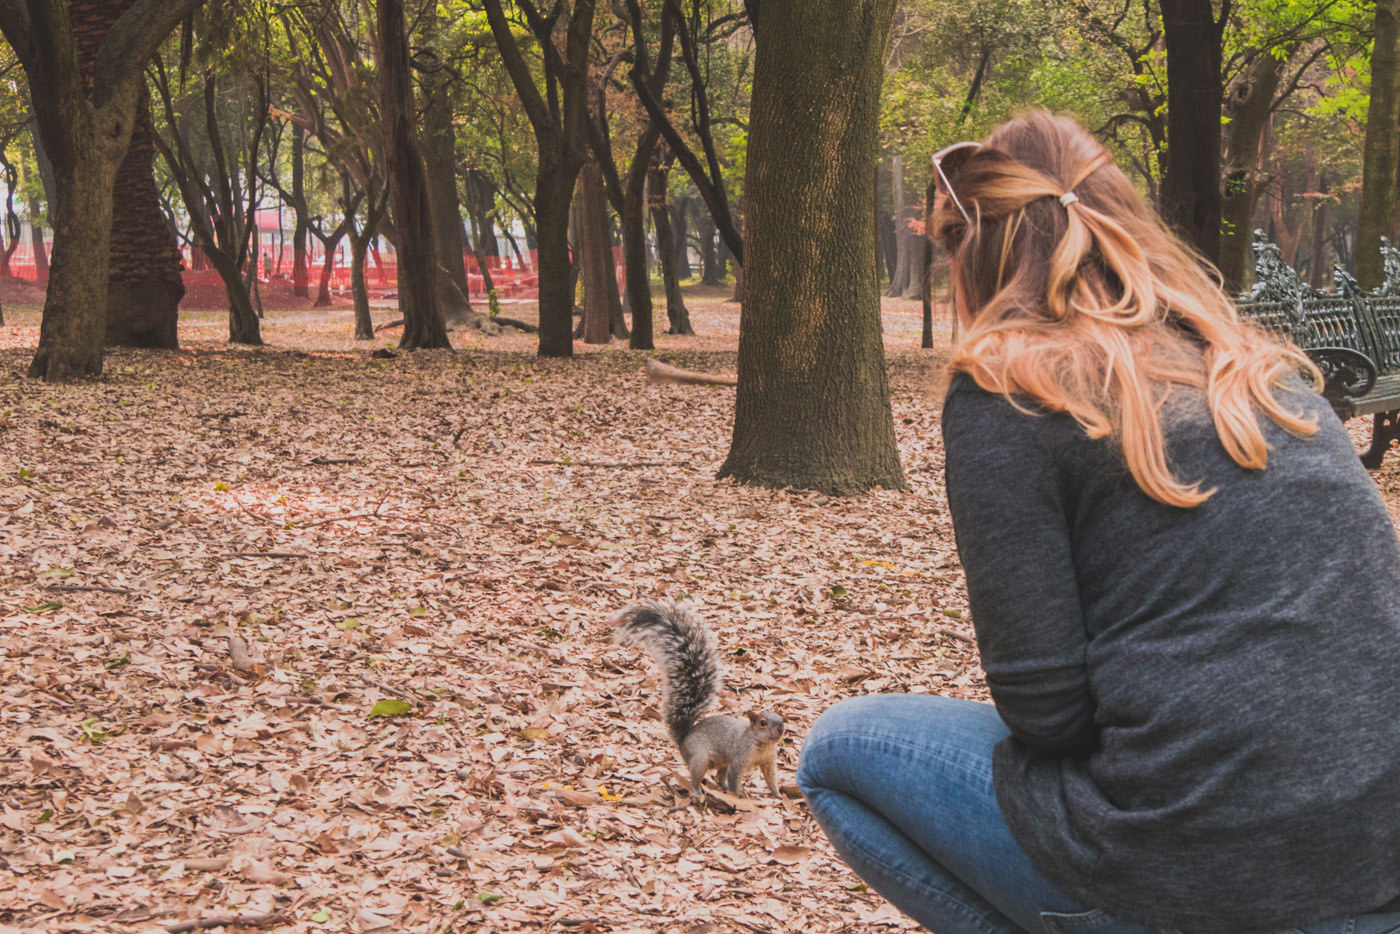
<point x="1083" y="302"/>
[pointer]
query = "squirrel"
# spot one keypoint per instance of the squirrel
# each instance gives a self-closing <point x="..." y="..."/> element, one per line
<point x="685" y="649"/>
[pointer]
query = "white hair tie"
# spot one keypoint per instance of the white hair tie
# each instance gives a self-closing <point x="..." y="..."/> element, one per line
<point x="1069" y="198"/>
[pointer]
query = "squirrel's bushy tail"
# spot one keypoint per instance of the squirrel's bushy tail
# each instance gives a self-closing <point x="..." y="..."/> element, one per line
<point x="685" y="649"/>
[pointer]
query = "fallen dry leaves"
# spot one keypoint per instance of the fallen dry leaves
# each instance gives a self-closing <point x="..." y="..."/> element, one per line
<point x="301" y="640"/>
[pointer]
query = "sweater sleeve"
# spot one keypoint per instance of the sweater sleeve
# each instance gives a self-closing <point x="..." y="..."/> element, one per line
<point x="1013" y="541"/>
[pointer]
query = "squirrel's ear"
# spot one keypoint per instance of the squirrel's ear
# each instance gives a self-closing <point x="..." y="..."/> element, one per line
<point x="754" y="717"/>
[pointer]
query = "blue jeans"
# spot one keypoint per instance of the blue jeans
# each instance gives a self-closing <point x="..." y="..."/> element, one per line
<point x="902" y="786"/>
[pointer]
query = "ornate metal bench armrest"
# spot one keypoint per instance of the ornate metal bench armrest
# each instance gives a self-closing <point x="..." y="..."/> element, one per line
<point x="1345" y="372"/>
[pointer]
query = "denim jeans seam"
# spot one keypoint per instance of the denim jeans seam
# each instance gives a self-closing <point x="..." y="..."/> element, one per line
<point x="916" y="884"/>
<point x="902" y="745"/>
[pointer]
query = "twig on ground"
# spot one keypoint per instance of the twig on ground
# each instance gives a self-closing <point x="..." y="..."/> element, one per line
<point x="353" y="515"/>
<point x="88" y="588"/>
<point x="388" y="325"/>
<point x="237" y="414"/>
<point x="323" y="461"/>
<point x="225" y="920"/>
<point x="622" y="465"/>
<point x="257" y="515"/>
<point x="268" y="554"/>
<point x="954" y="634"/>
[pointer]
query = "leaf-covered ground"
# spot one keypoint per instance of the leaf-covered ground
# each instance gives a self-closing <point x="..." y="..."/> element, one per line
<point x="218" y="564"/>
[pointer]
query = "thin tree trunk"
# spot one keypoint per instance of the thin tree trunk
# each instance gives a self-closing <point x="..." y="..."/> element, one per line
<point x="1191" y="182"/>
<point x="364" y="324"/>
<point x="709" y="258"/>
<point x="899" y="279"/>
<point x="36" y="243"/>
<point x="301" y="273"/>
<point x="323" y="289"/>
<point x="677" y="316"/>
<point x="680" y="227"/>
<point x="1317" y="256"/>
<point x="926" y="292"/>
<point x="812" y="409"/>
<point x="1379" y="155"/>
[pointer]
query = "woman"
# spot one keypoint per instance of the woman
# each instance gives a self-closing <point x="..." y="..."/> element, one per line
<point x="1186" y="591"/>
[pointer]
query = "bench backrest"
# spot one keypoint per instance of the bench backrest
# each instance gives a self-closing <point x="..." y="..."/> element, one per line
<point x="1367" y="322"/>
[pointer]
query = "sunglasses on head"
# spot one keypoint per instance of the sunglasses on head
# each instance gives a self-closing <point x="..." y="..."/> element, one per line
<point x="946" y="164"/>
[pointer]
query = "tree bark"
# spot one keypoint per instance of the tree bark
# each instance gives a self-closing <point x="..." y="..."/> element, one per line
<point x="1377" y="210"/>
<point x="552" y="197"/>
<point x="560" y="128"/>
<point x="926" y="290"/>
<point x="301" y="273"/>
<point x="680" y="228"/>
<point x="440" y="161"/>
<point x="899" y="278"/>
<point x="677" y="315"/>
<point x="1248" y="107"/>
<point x="597" y="258"/>
<point x="144" y="283"/>
<point x="812" y="409"/>
<point x="419" y="303"/>
<point x="364" y="324"/>
<point x="1317" y="254"/>
<point x="1191" y="181"/>
<point x="36" y="243"/>
<point x="709" y="257"/>
<point x="85" y="129"/>
<point x="74" y="322"/>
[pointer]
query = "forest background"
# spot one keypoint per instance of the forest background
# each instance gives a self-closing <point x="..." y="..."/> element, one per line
<point x="305" y="609"/>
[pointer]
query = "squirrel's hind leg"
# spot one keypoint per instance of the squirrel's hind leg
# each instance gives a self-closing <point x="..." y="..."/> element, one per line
<point x="733" y="778"/>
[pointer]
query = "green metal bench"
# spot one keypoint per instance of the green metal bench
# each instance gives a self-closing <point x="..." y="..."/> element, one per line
<point x="1352" y="335"/>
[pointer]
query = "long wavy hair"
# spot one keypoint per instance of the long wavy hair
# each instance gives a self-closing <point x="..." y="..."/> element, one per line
<point x="1096" y="309"/>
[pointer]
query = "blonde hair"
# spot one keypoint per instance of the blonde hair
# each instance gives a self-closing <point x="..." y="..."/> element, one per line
<point x="1095" y="309"/>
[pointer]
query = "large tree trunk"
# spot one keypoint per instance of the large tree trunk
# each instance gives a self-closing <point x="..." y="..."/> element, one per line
<point x="1191" y="182"/>
<point x="553" y="192"/>
<point x="1377" y="215"/>
<point x="144" y="283"/>
<point x="677" y="316"/>
<point x="423" y="325"/>
<point x="597" y="258"/>
<point x="439" y="158"/>
<point x="812" y="408"/>
<point x="1248" y="107"/>
<point x="74" y="322"/>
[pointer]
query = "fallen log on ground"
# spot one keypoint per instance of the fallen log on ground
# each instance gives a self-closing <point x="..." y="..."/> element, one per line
<point x="658" y="372"/>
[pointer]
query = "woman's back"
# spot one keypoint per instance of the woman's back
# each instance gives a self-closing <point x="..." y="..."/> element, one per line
<point x="1242" y="658"/>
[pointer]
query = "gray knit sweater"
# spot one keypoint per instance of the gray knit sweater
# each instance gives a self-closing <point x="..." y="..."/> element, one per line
<point x="1204" y="703"/>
